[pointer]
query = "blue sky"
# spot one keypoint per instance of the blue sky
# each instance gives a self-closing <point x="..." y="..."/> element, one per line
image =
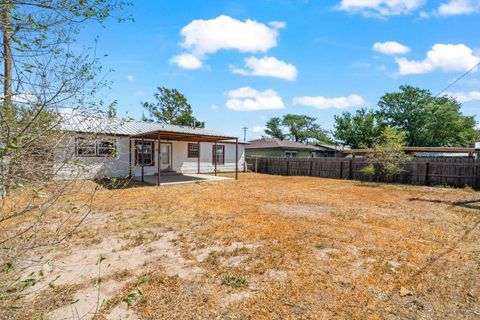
<point x="241" y="62"/>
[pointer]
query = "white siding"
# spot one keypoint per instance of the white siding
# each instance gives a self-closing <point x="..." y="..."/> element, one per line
<point x="69" y="166"/>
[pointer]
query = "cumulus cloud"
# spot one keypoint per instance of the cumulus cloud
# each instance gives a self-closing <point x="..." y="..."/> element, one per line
<point x="390" y="47"/>
<point x="249" y="99"/>
<point x="268" y="67"/>
<point x="130" y="77"/>
<point x="187" y="61"/>
<point x="380" y="8"/>
<point x="442" y="57"/>
<point x="323" y="103"/>
<point x="459" y="7"/>
<point x="464" y="96"/>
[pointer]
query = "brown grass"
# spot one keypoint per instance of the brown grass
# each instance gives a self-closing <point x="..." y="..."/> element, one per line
<point x="308" y="248"/>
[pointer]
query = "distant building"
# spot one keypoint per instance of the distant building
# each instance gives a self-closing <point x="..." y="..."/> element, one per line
<point x="272" y="147"/>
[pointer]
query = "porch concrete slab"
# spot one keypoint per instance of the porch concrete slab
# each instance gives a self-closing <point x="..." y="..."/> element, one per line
<point x="172" y="179"/>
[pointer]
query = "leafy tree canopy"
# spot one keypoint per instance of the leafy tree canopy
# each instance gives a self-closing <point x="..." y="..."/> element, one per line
<point x="300" y="128"/>
<point x="426" y="120"/>
<point x="357" y="130"/>
<point x="172" y="108"/>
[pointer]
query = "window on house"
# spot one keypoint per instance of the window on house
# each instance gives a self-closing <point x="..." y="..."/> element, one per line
<point x="106" y="148"/>
<point x="193" y="151"/>
<point x="291" y="154"/>
<point x="90" y="147"/>
<point x="219" y="154"/>
<point x="144" y="153"/>
<point x="85" y="147"/>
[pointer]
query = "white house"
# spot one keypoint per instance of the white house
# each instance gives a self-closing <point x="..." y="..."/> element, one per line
<point x="96" y="147"/>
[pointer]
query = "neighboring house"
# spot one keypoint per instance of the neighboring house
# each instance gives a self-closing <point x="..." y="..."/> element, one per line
<point x="272" y="147"/>
<point x="422" y="152"/>
<point x="97" y="147"/>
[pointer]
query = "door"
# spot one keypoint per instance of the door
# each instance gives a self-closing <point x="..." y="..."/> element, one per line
<point x="166" y="157"/>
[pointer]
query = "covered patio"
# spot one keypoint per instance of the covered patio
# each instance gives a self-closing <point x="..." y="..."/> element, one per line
<point x="162" y="136"/>
<point x="179" y="178"/>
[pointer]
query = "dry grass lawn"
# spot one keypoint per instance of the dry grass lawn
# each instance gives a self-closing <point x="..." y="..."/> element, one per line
<point x="269" y="247"/>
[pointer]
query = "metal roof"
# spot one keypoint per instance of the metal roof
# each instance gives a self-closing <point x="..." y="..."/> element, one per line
<point x="83" y="122"/>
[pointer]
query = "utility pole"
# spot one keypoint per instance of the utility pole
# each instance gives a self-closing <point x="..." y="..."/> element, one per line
<point x="245" y="133"/>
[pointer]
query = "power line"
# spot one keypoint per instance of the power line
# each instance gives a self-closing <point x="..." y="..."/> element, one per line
<point x="458" y="79"/>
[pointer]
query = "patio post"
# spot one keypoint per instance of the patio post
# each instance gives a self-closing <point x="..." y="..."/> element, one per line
<point x="215" y="157"/>
<point x="143" y="158"/>
<point x="158" y="164"/>
<point x="159" y="158"/>
<point x="198" y="159"/>
<point x="236" y="159"/>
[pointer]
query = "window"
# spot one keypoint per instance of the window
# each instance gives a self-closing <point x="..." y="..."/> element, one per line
<point x="106" y="148"/>
<point x="88" y="147"/>
<point x="220" y="154"/>
<point x="85" y="147"/>
<point x="193" y="150"/>
<point x="291" y="154"/>
<point x="144" y="153"/>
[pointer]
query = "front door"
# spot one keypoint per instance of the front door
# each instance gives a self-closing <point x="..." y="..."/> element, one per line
<point x="166" y="157"/>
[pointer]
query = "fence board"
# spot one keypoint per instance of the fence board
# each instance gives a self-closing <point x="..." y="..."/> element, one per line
<point x="457" y="172"/>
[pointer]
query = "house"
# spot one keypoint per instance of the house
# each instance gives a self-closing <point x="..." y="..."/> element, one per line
<point x="96" y="147"/>
<point x="272" y="147"/>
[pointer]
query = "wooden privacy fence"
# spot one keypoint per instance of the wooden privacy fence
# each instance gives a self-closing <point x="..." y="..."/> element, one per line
<point x="453" y="171"/>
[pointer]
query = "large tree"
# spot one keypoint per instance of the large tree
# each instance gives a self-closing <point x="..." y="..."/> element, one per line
<point x="172" y="107"/>
<point x="274" y="128"/>
<point x="358" y="130"/>
<point x="427" y="120"/>
<point x="44" y="72"/>
<point x="300" y="128"/>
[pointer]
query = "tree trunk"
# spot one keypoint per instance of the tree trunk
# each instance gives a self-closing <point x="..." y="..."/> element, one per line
<point x="7" y="55"/>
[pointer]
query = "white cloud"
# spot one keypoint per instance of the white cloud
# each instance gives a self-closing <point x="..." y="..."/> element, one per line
<point x="459" y="7"/>
<point x="323" y="103"/>
<point x="268" y="67"/>
<point x="139" y="94"/>
<point x="442" y="57"/>
<point x="203" y="37"/>
<point x="130" y="77"/>
<point x="214" y="107"/>
<point x="278" y="24"/>
<point x="380" y="8"/>
<point x="187" y="61"/>
<point x="390" y="47"/>
<point x="258" y="129"/>
<point x="464" y="96"/>
<point x="249" y="99"/>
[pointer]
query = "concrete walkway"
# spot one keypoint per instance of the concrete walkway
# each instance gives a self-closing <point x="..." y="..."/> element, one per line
<point x="178" y="178"/>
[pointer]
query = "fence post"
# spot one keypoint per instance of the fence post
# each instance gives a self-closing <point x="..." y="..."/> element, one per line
<point x="475" y="173"/>
<point x="266" y="165"/>
<point x="287" y="168"/>
<point x="427" y="173"/>
<point x="311" y="165"/>
<point x="341" y="169"/>
<point x="350" y="173"/>
<point x="256" y="165"/>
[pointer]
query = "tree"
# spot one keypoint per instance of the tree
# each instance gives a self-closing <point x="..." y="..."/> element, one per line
<point x="274" y="128"/>
<point x="387" y="155"/>
<point x="44" y="72"/>
<point x="425" y="119"/>
<point x="172" y="108"/>
<point x="357" y="130"/>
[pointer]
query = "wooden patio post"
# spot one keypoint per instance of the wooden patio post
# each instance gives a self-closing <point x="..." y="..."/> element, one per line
<point x="215" y="156"/>
<point x="158" y="164"/>
<point x="198" y="159"/>
<point x="236" y="159"/>
<point x="143" y="158"/>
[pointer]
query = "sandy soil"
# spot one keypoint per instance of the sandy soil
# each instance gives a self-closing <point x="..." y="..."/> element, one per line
<point x="266" y="247"/>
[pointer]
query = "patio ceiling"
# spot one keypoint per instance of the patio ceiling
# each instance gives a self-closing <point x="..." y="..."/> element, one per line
<point x="181" y="136"/>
